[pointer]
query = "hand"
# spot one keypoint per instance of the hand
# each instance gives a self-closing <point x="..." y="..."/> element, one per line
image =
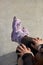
<point x="37" y="42"/>
<point x="22" y="49"/>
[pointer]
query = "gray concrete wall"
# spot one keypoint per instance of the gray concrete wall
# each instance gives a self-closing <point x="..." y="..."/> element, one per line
<point x="31" y="14"/>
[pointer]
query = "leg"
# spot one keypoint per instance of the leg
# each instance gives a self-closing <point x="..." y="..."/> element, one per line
<point x="20" y="61"/>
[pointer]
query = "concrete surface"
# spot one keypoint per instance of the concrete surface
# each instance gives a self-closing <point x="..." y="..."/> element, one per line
<point x="31" y="14"/>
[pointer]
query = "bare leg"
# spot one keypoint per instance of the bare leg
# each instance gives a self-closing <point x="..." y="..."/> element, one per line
<point x="20" y="61"/>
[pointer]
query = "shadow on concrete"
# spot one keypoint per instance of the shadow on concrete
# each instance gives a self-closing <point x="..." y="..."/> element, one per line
<point x="8" y="59"/>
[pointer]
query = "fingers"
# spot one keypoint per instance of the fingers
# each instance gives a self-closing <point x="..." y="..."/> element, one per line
<point x="29" y="49"/>
<point x="21" y="48"/>
<point x="37" y="38"/>
<point x="18" y="49"/>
